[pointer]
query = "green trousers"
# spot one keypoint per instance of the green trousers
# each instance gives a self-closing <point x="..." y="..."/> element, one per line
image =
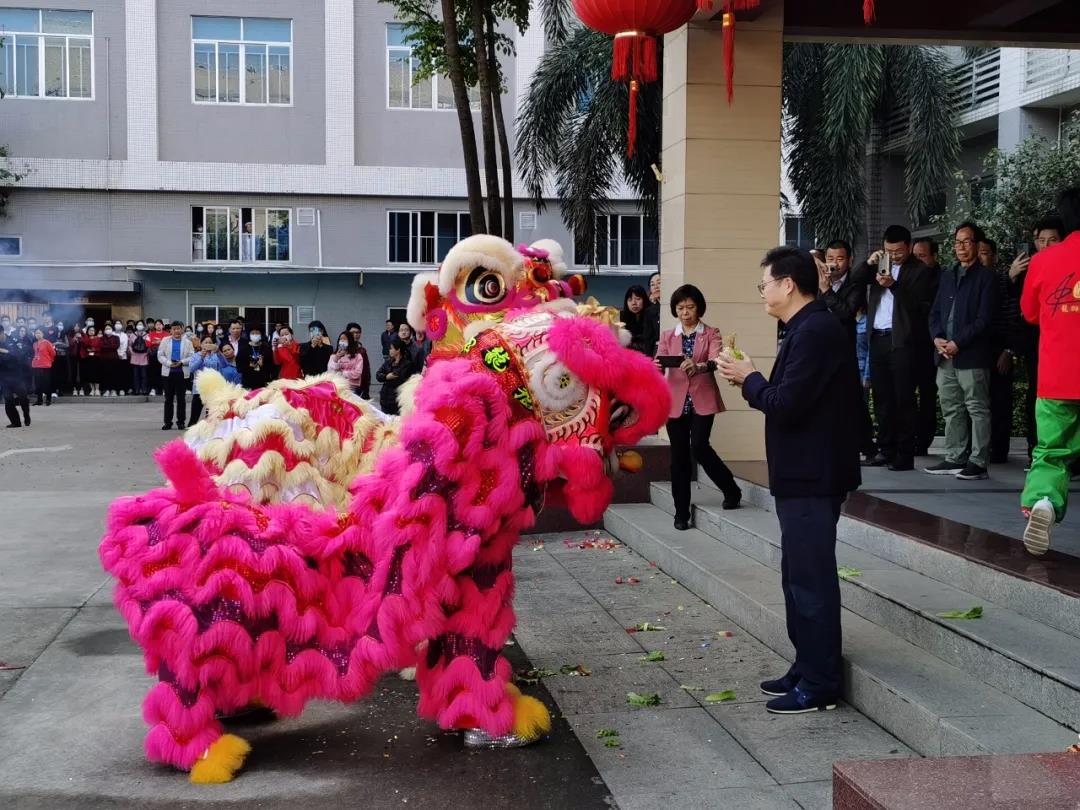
<point x="1058" y="447"/>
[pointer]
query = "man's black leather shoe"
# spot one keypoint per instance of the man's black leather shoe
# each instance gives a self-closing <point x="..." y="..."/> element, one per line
<point x="902" y="464"/>
<point x="682" y="524"/>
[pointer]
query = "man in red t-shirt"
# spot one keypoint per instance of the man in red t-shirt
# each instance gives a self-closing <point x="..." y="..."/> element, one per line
<point x="1051" y="300"/>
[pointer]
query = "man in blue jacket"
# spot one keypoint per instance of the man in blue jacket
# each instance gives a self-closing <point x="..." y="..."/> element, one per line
<point x="810" y="401"/>
<point x="961" y="323"/>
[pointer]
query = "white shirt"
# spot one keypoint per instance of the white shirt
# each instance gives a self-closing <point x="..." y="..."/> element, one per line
<point x="697" y="330"/>
<point x="122" y="352"/>
<point x="836" y="285"/>
<point x="883" y="315"/>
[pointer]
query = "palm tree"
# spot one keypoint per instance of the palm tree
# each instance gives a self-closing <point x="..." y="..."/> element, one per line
<point x="572" y="127"/>
<point x="836" y="100"/>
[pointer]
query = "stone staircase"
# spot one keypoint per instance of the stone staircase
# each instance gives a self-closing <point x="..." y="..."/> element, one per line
<point x="1006" y="683"/>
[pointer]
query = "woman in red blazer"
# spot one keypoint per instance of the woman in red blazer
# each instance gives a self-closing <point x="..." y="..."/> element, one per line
<point x="695" y="400"/>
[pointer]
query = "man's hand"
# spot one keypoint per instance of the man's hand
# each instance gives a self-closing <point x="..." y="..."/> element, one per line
<point x="688" y="367"/>
<point x="885" y="280"/>
<point x="951" y="349"/>
<point x="939" y="344"/>
<point x="1005" y="362"/>
<point x="733" y="370"/>
<point x="875" y="257"/>
<point x="1019" y="265"/>
<point x="823" y="274"/>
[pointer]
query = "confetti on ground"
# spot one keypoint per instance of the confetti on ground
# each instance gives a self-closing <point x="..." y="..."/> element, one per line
<point x="847" y="572"/>
<point x="533" y="676"/>
<point x="653" y="657"/>
<point x="971" y="613"/>
<point x="726" y="633"/>
<point x="627" y="581"/>
<point x="721" y="697"/>
<point x="692" y="688"/>
<point x="588" y="542"/>
<point x="575" y="669"/>
<point x="644" y="627"/>
<point x="6" y="666"/>
<point x="634" y="699"/>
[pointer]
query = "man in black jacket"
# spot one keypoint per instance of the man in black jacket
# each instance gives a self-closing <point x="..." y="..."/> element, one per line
<point x="960" y="324"/>
<point x="901" y="292"/>
<point x="1005" y="334"/>
<point x="13" y="388"/>
<point x="810" y="401"/>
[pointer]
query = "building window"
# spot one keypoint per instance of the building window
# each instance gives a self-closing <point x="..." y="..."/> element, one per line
<point x="241" y="60"/>
<point x="46" y="54"/>
<point x="435" y="93"/>
<point x="226" y="234"/>
<point x="796" y="234"/>
<point x="424" y="237"/>
<point x="622" y="240"/>
<point x="10" y="246"/>
<point x="934" y="208"/>
<point x="258" y="317"/>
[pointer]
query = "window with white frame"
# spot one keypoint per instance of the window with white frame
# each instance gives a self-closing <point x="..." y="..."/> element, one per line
<point x="435" y="93"/>
<point x="10" y="246"/>
<point x="241" y="60"/>
<point x="424" y="237"/>
<point x="621" y="240"/>
<point x="796" y="233"/>
<point x="247" y="235"/>
<point x="46" y="53"/>
<point x="258" y="317"/>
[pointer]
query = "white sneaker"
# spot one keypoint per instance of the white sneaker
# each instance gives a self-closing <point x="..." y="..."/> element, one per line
<point x="78" y="393"/>
<point x="1040" y="522"/>
<point x="55" y="395"/>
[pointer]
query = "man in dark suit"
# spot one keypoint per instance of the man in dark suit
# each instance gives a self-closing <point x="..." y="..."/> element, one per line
<point x="810" y="401"/>
<point x="901" y="292"/>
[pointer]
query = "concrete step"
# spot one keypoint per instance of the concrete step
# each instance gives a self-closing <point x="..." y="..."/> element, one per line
<point x="929" y="704"/>
<point x="1034" y="663"/>
<point x="1032" y="599"/>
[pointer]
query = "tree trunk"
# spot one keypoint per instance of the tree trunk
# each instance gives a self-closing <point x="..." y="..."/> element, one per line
<point x="465" y="119"/>
<point x="504" y="142"/>
<point x="487" y="119"/>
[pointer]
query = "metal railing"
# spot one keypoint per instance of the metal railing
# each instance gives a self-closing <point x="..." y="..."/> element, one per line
<point x="1043" y="67"/>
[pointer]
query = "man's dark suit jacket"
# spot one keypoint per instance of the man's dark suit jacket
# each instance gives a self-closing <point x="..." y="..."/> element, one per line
<point x="846" y="302"/>
<point x="812" y="402"/>
<point x="913" y="292"/>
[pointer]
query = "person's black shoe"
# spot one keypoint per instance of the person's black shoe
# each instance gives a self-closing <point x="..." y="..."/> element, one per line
<point x="780" y="686"/>
<point x="682" y="524"/>
<point x="944" y="467"/>
<point x="732" y="502"/>
<point x="180" y="426"/>
<point x="14" y="426"/>
<point x="973" y="472"/>
<point x="26" y="420"/>
<point x="901" y="464"/>
<point x="877" y="460"/>
<point x="922" y="451"/>
<point x="166" y="427"/>
<point x="38" y="402"/>
<point x="798" y="702"/>
<point x="999" y="459"/>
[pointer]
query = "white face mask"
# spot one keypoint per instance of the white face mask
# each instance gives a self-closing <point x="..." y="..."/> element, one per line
<point x="139" y="330"/>
<point x="256" y="338"/>
<point x="60" y="326"/>
<point x="108" y="330"/>
<point x="343" y="344"/>
<point x="118" y="326"/>
<point x="89" y="322"/>
<point x="140" y="327"/>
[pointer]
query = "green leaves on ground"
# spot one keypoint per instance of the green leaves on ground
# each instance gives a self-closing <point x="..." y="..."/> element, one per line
<point x="610" y="737"/>
<point x="971" y="613"/>
<point x="721" y="697"/>
<point x="532" y="676"/>
<point x="634" y="699"/>
<point x="575" y="669"/>
<point x="847" y="572"/>
<point x="653" y="657"/>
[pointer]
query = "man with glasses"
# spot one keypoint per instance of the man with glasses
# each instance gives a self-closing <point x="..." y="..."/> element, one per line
<point x="901" y="292"/>
<point x="961" y="324"/>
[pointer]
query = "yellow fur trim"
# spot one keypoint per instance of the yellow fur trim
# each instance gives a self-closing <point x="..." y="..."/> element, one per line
<point x="221" y="761"/>
<point x="531" y="718"/>
<point x="513" y="691"/>
<point x="406" y="395"/>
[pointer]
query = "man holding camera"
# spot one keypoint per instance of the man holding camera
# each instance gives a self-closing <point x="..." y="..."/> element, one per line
<point x="901" y="292"/>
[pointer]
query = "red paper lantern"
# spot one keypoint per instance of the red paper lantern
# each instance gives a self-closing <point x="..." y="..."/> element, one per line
<point x="635" y="24"/>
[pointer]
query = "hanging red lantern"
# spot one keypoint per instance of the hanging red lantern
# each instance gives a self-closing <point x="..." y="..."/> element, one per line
<point x="635" y="24"/>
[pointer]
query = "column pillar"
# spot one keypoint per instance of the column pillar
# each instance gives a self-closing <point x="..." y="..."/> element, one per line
<point x="720" y="209"/>
<point x="340" y="83"/>
<point x="140" y="29"/>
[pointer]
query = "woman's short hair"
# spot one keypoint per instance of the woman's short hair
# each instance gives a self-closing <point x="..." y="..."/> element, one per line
<point x="400" y="345"/>
<point x="796" y="264"/>
<point x="635" y="290"/>
<point x="688" y="291"/>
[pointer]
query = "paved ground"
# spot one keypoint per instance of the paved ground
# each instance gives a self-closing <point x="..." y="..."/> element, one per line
<point x="71" y="733"/>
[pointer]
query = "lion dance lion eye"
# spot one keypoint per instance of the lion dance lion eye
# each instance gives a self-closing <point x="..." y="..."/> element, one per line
<point x="484" y="286"/>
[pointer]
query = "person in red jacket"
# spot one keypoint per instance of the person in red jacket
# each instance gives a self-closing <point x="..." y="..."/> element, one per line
<point x="109" y="362"/>
<point x="1051" y="301"/>
<point x="89" y="362"/>
<point x="154" y="337"/>
<point x="287" y="355"/>
<point x="44" y="355"/>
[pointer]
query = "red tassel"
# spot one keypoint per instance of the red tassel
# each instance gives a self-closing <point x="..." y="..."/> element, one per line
<point x="631" y="133"/>
<point x="868" y="11"/>
<point x="620" y="55"/>
<point x="729" y="54"/>
<point x="704" y="5"/>
<point x="746" y="5"/>
<point x="633" y="56"/>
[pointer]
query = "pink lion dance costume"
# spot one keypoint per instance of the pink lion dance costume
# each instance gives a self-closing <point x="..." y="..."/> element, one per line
<point x="239" y="601"/>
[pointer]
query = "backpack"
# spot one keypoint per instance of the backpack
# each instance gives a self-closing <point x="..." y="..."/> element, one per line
<point x="138" y="345"/>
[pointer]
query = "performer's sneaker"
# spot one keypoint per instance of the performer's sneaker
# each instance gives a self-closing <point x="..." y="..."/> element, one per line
<point x="478" y="738"/>
<point x="1040" y="521"/>
<point x="799" y="702"/>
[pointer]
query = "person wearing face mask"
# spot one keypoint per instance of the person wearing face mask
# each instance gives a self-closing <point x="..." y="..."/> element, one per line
<point x="139" y="352"/>
<point x="12" y="383"/>
<point x="44" y="356"/>
<point x="5" y="324"/>
<point x="219" y="334"/>
<point x="357" y="333"/>
<point x="123" y="366"/>
<point x="208" y="357"/>
<point x="255" y="361"/>
<point x="155" y="373"/>
<point x="315" y="354"/>
<point x="348" y="362"/>
<point x="89" y="368"/>
<point x="287" y="355"/>
<point x="61" y="379"/>
<point x="109" y="362"/>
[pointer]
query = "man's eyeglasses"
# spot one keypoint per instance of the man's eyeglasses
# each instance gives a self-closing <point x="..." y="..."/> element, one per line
<point x="761" y="287"/>
<point x="964" y="243"/>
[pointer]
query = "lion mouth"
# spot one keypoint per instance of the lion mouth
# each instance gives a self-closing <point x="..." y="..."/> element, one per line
<point x="622" y="416"/>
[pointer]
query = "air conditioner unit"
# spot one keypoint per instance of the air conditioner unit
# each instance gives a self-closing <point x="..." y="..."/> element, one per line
<point x="304" y="315"/>
<point x="305" y="216"/>
<point x="527" y="220"/>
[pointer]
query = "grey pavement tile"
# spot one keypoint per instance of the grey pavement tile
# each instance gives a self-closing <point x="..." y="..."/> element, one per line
<point x="571" y="634"/>
<point x="765" y="798"/>
<point x="811" y="795"/>
<point x="723" y="666"/>
<point x="613" y="676"/>
<point x="26" y="632"/>
<point x="678" y="758"/>
<point x="803" y="748"/>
